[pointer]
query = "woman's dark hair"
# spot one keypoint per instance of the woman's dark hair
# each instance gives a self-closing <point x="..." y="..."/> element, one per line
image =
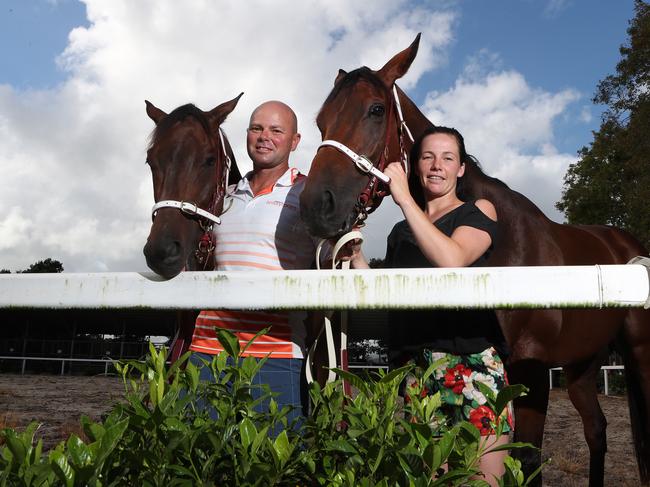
<point x="414" y="182"/>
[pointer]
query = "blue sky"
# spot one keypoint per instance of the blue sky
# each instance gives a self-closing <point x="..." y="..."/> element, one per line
<point x="515" y="76"/>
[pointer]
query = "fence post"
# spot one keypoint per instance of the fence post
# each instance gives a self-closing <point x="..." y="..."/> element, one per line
<point x="550" y="378"/>
<point x="606" y="381"/>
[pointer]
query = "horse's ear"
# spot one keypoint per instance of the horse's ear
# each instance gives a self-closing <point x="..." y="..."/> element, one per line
<point x="340" y="76"/>
<point x="218" y="114"/>
<point x="155" y="113"/>
<point x="399" y="64"/>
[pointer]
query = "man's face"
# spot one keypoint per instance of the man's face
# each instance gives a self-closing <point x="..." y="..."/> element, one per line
<point x="271" y="136"/>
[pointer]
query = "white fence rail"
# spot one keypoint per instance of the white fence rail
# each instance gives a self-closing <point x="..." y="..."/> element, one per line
<point x="63" y="360"/>
<point x="486" y="287"/>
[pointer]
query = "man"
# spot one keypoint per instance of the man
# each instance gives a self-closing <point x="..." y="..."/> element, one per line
<point x="262" y="230"/>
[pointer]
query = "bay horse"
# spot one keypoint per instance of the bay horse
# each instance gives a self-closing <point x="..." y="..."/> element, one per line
<point x="192" y="164"/>
<point x="361" y="116"/>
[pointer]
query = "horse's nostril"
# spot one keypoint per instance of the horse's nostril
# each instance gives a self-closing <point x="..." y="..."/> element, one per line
<point x="172" y="250"/>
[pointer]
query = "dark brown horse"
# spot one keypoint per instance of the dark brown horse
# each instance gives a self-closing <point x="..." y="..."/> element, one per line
<point x="192" y="164"/>
<point x="360" y="113"/>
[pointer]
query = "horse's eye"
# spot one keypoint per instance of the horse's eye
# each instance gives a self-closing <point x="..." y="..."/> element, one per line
<point x="210" y="161"/>
<point x="377" y="110"/>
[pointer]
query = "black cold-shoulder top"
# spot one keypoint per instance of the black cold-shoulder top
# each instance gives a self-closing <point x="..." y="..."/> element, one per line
<point x="453" y="331"/>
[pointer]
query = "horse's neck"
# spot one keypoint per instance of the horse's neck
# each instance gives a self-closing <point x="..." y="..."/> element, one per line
<point x="513" y="205"/>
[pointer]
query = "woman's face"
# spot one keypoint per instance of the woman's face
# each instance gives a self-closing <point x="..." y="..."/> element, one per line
<point x="439" y="165"/>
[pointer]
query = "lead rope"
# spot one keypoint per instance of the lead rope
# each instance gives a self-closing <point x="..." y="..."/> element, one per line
<point x="327" y="323"/>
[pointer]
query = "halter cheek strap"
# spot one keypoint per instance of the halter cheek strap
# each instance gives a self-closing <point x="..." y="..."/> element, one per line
<point x="362" y="162"/>
<point x="185" y="207"/>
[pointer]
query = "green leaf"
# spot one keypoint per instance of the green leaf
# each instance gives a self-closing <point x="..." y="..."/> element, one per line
<point x="62" y="468"/>
<point x="353" y="379"/>
<point x="79" y="451"/>
<point x="282" y="447"/>
<point x="506" y="395"/>
<point x="247" y="432"/>
<point x="394" y="374"/>
<point x="16" y="446"/>
<point x="341" y="445"/>
<point x="229" y="342"/>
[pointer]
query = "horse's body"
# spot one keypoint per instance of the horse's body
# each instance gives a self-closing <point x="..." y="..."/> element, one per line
<point x="191" y="161"/>
<point x="577" y="340"/>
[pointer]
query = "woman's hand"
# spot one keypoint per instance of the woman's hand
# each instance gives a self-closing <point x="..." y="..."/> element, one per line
<point x="399" y="186"/>
<point x="351" y="252"/>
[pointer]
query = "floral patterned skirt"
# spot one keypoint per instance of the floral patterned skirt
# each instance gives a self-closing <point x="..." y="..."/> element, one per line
<point x="455" y="378"/>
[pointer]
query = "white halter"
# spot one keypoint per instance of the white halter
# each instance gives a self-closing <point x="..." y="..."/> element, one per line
<point x="192" y="208"/>
<point x="362" y="162"/>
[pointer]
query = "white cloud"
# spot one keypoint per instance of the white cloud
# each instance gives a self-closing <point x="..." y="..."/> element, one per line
<point x="554" y="8"/>
<point x="72" y="158"/>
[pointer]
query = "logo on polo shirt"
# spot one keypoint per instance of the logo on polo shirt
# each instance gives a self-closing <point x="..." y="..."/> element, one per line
<point x="283" y="204"/>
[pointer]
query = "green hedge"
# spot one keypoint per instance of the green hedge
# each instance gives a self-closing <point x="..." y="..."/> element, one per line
<point x="159" y="437"/>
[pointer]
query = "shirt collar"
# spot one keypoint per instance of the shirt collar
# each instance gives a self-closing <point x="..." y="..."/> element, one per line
<point x="289" y="177"/>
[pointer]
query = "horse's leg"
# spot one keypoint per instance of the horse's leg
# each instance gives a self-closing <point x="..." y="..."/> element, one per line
<point x="530" y="411"/>
<point x="581" y="384"/>
<point x="634" y="344"/>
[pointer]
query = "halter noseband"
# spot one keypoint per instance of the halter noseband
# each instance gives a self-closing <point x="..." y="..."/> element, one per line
<point x="374" y="171"/>
<point x="206" y="243"/>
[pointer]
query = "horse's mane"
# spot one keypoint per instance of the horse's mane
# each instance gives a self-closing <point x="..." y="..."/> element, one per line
<point x="178" y="114"/>
<point x="351" y="78"/>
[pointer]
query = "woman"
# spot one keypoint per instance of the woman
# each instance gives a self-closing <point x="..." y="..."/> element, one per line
<point x="442" y="230"/>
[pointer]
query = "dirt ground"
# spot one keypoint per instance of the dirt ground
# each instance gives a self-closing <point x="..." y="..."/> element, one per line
<point x="58" y="402"/>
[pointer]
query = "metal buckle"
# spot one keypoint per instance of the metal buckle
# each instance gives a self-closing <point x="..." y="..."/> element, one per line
<point x="363" y="163"/>
<point x="189" y="208"/>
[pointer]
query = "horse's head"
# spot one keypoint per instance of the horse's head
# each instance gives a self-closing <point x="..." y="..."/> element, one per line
<point x="191" y="162"/>
<point x="360" y="117"/>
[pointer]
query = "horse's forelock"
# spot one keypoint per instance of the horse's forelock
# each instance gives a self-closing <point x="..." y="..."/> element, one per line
<point x="351" y="78"/>
<point x="178" y="114"/>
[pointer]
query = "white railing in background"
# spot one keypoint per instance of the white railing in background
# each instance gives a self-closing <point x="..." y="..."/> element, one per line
<point x="604" y="368"/>
<point x="63" y="360"/>
<point x="485" y="287"/>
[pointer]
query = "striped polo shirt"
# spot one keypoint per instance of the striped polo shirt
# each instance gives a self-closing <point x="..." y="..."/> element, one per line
<point x="258" y="233"/>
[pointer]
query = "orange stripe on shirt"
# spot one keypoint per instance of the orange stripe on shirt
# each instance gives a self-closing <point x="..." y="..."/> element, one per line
<point x="270" y="236"/>
<point x="260" y="350"/>
<point x="244" y="253"/>
<point x="250" y="332"/>
<point x="254" y="265"/>
<point x="268" y="245"/>
<point x="279" y="318"/>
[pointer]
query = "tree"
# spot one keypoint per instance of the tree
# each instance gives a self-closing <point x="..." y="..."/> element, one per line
<point x="610" y="182"/>
<point x="5" y="271"/>
<point x="43" y="266"/>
